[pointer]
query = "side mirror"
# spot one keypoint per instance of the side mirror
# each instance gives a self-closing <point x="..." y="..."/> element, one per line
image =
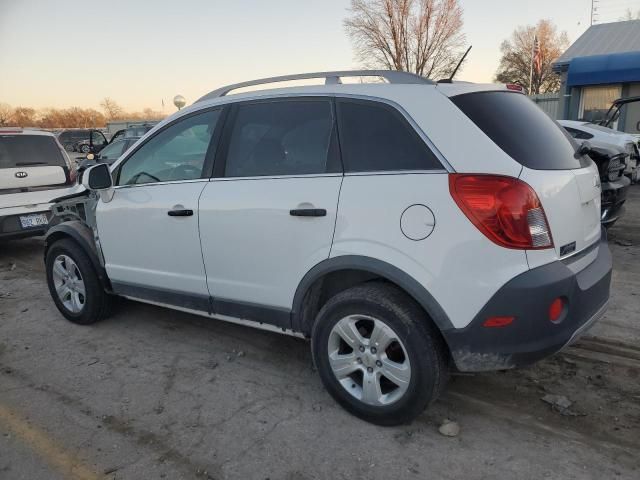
<point x="97" y="177"/>
<point x="90" y="156"/>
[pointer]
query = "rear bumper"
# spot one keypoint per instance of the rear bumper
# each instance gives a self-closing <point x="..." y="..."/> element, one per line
<point x="532" y="336"/>
<point x="11" y="228"/>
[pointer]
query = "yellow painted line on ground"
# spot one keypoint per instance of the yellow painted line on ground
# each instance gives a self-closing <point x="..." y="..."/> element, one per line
<point x="46" y="447"/>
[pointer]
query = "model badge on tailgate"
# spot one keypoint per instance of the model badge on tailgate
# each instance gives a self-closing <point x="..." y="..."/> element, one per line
<point x="567" y="249"/>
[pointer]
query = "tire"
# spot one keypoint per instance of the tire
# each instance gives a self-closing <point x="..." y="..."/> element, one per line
<point x="84" y="148"/>
<point x="69" y="147"/>
<point x="65" y="255"/>
<point x="417" y="344"/>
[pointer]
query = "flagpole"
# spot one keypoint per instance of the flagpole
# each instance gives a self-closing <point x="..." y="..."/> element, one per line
<point x="533" y="48"/>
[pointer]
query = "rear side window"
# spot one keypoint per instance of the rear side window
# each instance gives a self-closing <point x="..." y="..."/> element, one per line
<point x="29" y="151"/>
<point x="376" y="137"/>
<point x="521" y="129"/>
<point x="290" y="137"/>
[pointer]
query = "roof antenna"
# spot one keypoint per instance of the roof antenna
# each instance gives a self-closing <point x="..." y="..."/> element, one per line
<point x="455" y="70"/>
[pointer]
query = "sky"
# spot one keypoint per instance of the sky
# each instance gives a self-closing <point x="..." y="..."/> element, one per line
<point x="76" y="52"/>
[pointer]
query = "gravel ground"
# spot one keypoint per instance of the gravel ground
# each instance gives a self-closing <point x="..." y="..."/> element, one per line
<point x="154" y="393"/>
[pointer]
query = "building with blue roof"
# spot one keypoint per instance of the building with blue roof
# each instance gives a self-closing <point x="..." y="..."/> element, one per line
<point x="598" y="68"/>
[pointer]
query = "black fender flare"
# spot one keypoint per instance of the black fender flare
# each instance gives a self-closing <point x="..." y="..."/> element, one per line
<point x="81" y="234"/>
<point x="376" y="267"/>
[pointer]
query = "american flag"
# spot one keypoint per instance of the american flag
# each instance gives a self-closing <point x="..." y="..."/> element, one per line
<point x="537" y="56"/>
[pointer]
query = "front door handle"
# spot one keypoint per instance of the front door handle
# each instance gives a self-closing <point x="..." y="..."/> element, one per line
<point x="180" y="212"/>
<point x="308" y="212"/>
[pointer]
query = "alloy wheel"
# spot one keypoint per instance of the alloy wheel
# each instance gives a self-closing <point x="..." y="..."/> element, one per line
<point x="69" y="284"/>
<point x="369" y="360"/>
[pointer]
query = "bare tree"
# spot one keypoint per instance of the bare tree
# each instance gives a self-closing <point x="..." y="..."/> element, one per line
<point x="419" y="36"/>
<point x="6" y="114"/>
<point x="517" y="51"/>
<point x="112" y="110"/>
<point x="24" y="117"/>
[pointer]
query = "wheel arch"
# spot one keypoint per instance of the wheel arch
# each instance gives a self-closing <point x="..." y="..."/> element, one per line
<point x="82" y="235"/>
<point x="349" y="270"/>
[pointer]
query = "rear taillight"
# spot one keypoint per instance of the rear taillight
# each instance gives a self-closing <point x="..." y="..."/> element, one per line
<point x="514" y="87"/>
<point x="505" y="209"/>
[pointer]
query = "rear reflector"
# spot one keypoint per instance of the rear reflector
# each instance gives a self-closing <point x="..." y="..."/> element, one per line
<point x="555" y="309"/>
<point x="498" y="321"/>
<point x="506" y="210"/>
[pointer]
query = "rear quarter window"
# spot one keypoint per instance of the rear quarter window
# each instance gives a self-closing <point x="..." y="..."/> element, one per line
<point x="29" y="151"/>
<point x="376" y="137"/>
<point x="521" y="129"/>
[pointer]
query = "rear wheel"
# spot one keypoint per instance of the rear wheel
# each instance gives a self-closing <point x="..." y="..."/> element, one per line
<point x="378" y="355"/>
<point x="74" y="284"/>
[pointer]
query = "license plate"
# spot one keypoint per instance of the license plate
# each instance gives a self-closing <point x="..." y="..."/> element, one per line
<point x="36" y="220"/>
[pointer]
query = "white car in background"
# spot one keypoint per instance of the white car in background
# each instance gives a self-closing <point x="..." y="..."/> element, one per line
<point x="34" y="169"/>
<point x="600" y="136"/>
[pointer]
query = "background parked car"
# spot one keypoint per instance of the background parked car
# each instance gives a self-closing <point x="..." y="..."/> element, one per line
<point x="610" y="162"/>
<point x="93" y="143"/>
<point x="70" y="137"/>
<point x="132" y="131"/>
<point x="34" y="169"/>
<point x="114" y="150"/>
<point x="601" y="136"/>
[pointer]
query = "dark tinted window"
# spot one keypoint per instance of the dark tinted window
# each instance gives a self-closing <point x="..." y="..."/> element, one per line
<point x="291" y="137"/>
<point x="376" y="137"/>
<point x="29" y="151"/>
<point x="521" y="129"/>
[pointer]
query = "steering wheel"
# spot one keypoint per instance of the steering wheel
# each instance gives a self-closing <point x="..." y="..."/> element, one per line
<point x="185" y="172"/>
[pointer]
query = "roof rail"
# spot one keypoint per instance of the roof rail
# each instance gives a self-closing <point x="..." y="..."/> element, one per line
<point x="331" y="78"/>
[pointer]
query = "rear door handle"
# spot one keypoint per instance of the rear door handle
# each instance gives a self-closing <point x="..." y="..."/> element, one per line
<point x="180" y="212"/>
<point x="308" y="212"/>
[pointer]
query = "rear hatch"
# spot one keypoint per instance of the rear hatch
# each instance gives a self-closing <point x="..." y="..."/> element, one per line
<point x="568" y="185"/>
<point x="30" y="164"/>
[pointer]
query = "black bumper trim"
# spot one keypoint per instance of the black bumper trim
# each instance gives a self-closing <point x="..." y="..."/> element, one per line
<point x="527" y="297"/>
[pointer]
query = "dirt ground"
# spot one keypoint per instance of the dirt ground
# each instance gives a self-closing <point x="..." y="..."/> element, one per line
<point x="152" y="393"/>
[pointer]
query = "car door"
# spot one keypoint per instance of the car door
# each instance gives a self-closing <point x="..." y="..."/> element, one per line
<point x="268" y="215"/>
<point x="149" y="229"/>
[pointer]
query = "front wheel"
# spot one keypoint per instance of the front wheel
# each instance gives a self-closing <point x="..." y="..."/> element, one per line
<point x="85" y="148"/>
<point x="378" y="354"/>
<point x="74" y="284"/>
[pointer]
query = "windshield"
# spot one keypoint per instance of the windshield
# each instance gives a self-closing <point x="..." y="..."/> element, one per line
<point x="521" y="129"/>
<point x="29" y="151"/>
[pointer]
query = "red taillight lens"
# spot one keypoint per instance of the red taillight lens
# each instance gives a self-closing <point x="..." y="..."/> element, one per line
<point x="555" y="310"/>
<point x="505" y="209"/>
<point x="493" y="322"/>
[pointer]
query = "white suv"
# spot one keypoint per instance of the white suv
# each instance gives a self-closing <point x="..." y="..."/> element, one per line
<point x="405" y="227"/>
<point x="34" y="169"/>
